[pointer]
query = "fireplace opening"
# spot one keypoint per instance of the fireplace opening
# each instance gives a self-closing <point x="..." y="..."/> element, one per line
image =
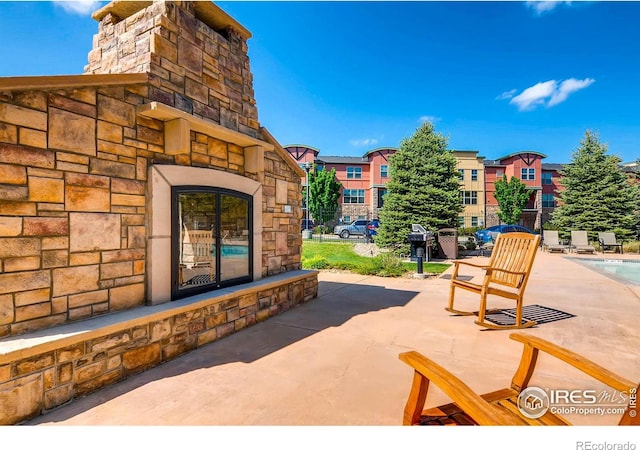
<point x="212" y="244"/>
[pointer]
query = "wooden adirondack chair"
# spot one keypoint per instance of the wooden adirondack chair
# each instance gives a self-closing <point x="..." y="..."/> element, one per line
<point x="506" y="275"/>
<point x="501" y="407"/>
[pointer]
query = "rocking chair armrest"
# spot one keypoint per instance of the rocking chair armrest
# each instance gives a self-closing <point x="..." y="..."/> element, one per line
<point x="466" y="263"/>
<point x="483" y="412"/>
<point x="511" y="272"/>
<point x="581" y="363"/>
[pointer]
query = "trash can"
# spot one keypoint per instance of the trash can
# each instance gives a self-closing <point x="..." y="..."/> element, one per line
<point x="448" y="243"/>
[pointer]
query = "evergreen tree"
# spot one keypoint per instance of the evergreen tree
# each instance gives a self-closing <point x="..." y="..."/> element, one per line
<point x="324" y="190"/>
<point x="512" y="197"/>
<point x="598" y="196"/>
<point x="424" y="188"/>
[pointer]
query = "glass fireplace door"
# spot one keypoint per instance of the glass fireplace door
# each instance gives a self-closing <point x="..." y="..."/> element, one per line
<point x="234" y="223"/>
<point x="211" y="239"/>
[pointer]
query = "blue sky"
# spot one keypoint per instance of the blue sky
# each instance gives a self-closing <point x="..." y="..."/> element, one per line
<point x="347" y="77"/>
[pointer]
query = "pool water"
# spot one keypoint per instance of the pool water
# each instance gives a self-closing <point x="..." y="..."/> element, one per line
<point x="615" y="268"/>
<point x="235" y="250"/>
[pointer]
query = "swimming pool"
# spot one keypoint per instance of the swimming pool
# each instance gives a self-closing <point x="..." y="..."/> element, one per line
<point x="234" y="250"/>
<point x="622" y="270"/>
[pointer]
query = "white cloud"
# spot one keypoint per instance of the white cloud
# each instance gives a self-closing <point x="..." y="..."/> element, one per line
<point x="82" y="7"/>
<point x="431" y="119"/>
<point x="568" y="87"/>
<point x="541" y="7"/>
<point x="548" y="93"/>
<point x="507" y="94"/>
<point x="534" y="95"/>
<point x="363" y="142"/>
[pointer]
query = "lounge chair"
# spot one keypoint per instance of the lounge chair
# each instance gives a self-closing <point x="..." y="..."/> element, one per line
<point x="580" y="242"/>
<point x="505" y="275"/>
<point x="505" y="406"/>
<point x="551" y="241"/>
<point x="608" y="240"/>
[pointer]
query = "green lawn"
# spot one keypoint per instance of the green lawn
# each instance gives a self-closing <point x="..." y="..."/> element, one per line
<point x="340" y="255"/>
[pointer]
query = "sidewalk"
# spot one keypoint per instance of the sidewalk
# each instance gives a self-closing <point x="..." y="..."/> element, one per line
<point x="334" y="360"/>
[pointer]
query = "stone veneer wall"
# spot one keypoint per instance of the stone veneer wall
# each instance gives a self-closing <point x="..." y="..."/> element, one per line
<point x="355" y="211"/>
<point x="50" y="372"/>
<point x="73" y="203"/>
<point x="492" y="216"/>
<point x="195" y="68"/>
<point x="74" y="162"/>
<point x="73" y="168"/>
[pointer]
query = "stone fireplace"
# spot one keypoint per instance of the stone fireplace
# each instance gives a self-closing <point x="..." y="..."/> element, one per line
<point x="144" y="210"/>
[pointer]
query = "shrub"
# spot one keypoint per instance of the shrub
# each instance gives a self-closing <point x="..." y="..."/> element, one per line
<point x="317" y="262"/>
<point x="388" y="265"/>
<point x="631" y="247"/>
<point x="470" y="244"/>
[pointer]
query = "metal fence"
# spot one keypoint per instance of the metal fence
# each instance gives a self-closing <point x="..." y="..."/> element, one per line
<point x="326" y="222"/>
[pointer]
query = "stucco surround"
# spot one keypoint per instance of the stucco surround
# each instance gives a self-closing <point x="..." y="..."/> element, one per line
<point x="161" y="179"/>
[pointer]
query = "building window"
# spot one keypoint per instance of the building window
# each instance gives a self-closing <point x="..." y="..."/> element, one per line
<point x="354" y="172"/>
<point x="460" y="221"/>
<point x="546" y="177"/>
<point x="381" y="194"/>
<point x="469" y="197"/>
<point x="548" y="201"/>
<point x="474" y="174"/>
<point x="211" y="245"/>
<point x="499" y="174"/>
<point x="384" y="171"/>
<point x="461" y="174"/>
<point x="474" y="221"/>
<point x="346" y="219"/>
<point x="528" y="174"/>
<point x="353" y="196"/>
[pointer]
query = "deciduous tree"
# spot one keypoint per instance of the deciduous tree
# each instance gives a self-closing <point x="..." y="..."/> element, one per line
<point x="512" y="197"/>
<point x="324" y="190"/>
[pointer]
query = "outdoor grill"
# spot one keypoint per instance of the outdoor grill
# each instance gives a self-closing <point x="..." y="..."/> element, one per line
<point x="421" y="241"/>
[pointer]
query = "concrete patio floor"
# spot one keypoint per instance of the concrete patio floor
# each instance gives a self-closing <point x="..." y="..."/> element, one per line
<point x="334" y="360"/>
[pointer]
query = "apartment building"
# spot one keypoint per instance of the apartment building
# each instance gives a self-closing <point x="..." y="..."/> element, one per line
<point x="472" y="188"/>
<point x="363" y="178"/>
<point x="364" y="183"/>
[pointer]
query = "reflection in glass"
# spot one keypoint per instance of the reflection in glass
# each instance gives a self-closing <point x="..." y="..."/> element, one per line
<point x="234" y="225"/>
<point x="212" y="236"/>
<point x="197" y="219"/>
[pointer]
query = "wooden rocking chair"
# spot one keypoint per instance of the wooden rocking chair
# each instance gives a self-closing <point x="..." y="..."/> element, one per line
<point x="198" y="251"/>
<point x="505" y="406"/>
<point x="506" y="275"/>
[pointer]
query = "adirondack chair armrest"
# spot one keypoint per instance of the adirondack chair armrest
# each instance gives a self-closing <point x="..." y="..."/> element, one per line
<point x="581" y="363"/>
<point x="427" y="371"/>
<point x="496" y="269"/>
<point x="467" y="263"/>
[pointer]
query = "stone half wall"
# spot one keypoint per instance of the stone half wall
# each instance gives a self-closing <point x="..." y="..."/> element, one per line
<point x="74" y="200"/>
<point x="44" y="371"/>
<point x="195" y="52"/>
